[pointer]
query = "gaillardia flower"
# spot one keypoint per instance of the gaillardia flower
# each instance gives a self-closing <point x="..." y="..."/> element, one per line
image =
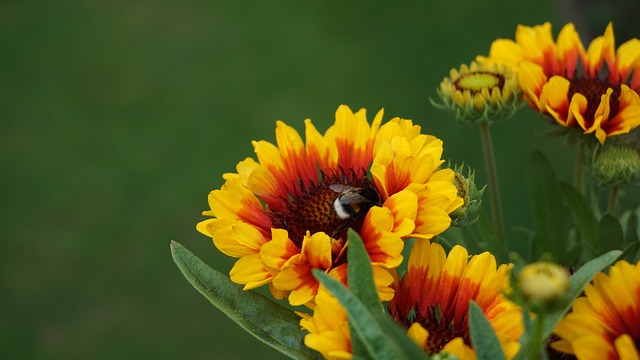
<point x="432" y="302"/>
<point x="432" y="299"/>
<point x="595" y="90"/>
<point x="605" y="322"/>
<point x="289" y="212"/>
<point x="480" y="92"/>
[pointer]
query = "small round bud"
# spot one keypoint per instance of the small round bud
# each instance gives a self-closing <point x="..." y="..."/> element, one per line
<point x="543" y="283"/>
<point x="616" y="163"/>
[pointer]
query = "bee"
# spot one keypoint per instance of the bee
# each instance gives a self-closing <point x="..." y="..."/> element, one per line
<point x="352" y="201"/>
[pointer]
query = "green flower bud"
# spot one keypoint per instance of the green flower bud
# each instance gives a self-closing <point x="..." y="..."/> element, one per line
<point x="616" y="163"/>
<point x="469" y="212"/>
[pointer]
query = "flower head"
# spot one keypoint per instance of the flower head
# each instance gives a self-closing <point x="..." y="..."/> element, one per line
<point x="543" y="283"/>
<point x="480" y="92"/>
<point x="594" y="90"/>
<point x="432" y="299"/>
<point x="605" y="322"/>
<point x="289" y="212"/>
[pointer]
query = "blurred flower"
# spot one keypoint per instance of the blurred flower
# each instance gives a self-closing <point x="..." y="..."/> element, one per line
<point x="594" y="90"/>
<point x="432" y="300"/>
<point x="480" y="92"/>
<point x="543" y="284"/>
<point x="289" y="212"/>
<point x="469" y="212"/>
<point x="605" y="322"/>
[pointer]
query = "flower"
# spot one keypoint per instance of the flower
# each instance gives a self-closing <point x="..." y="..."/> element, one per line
<point x="480" y="92"/>
<point x="432" y="299"/>
<point x="605" y="322"/>
<point x="544" y="283"/>
<point x="595" y="90"/>
<point x="289" y="212"/>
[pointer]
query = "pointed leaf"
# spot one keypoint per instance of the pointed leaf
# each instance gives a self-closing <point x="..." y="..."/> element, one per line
<point x="549" y="212"/>
<point x="275" y="325"/>
<point x="610" y="236"/>
<point x="582" y="214"/>
<point x="379" y="334"/>
<point x="578" y="281"/>
<point x="484" y="338"/>
<point x="360" y="274"/>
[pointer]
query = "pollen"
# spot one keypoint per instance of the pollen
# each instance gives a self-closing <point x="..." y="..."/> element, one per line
<point x="477" y="81"/>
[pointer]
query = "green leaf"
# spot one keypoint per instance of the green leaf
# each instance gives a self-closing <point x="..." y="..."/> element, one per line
<point x="582" y="214"/>
<point x="360" y="274"/>
<point x="549" y="212"/>
<point x="610" y="236"/>
<point x="629" y="220"/>
<point x="275" y="325"/>
<point x="360" y="279"/>
<point x="382" y="337"/>
<point x="578" y="281"/>
<point x="484" y="338"/>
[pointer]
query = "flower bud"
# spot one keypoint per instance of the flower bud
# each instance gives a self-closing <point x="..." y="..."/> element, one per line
<point x="480" y="92"/>
<point x="469" y="212"/>
<point x="616" y="163"/>
<point x="543" y="283"/>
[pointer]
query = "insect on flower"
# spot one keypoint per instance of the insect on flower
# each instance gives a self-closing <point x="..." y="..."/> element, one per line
<point x="352" y="200"/>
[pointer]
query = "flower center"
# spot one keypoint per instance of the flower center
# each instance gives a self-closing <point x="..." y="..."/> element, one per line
<point x="337" y="202"/>
<point x="476" y="81"/>
<point x="593" y="89"/>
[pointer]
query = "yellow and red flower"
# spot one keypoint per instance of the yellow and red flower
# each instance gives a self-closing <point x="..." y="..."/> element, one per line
<point x="432" y="299"/>
<point x="595" y="90"/>
<point x="605" y="322"/>
<point x="278" y="215"/>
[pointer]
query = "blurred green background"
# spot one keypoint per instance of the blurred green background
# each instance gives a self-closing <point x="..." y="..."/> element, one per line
<point x="118" y="118"/>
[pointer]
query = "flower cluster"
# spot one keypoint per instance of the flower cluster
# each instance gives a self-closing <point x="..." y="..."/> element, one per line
<point x="289" y="215"/>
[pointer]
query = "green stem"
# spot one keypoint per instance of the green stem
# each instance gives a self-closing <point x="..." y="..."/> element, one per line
<point x="578" y="171"/>
<point x="536" y="337"/>
<point x="492" y="179"/>
<point x="613" y="199"/>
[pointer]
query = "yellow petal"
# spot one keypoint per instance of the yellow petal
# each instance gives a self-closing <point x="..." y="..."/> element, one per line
<point x="569" y="50"/>
<point x="316" y="250"/>
<point x="250" y="271"/>
<point x="593" y="348"/>
<point x="458" y="348"/>
<point x="404" y="207"/>
<point x="554" y="99"/>
<point x="532" y="78"/>
<point x="627" y="57"/>
<point x="626" y="348"/>
<point x="418" y="334"/>
<point x="239" y="239"/>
